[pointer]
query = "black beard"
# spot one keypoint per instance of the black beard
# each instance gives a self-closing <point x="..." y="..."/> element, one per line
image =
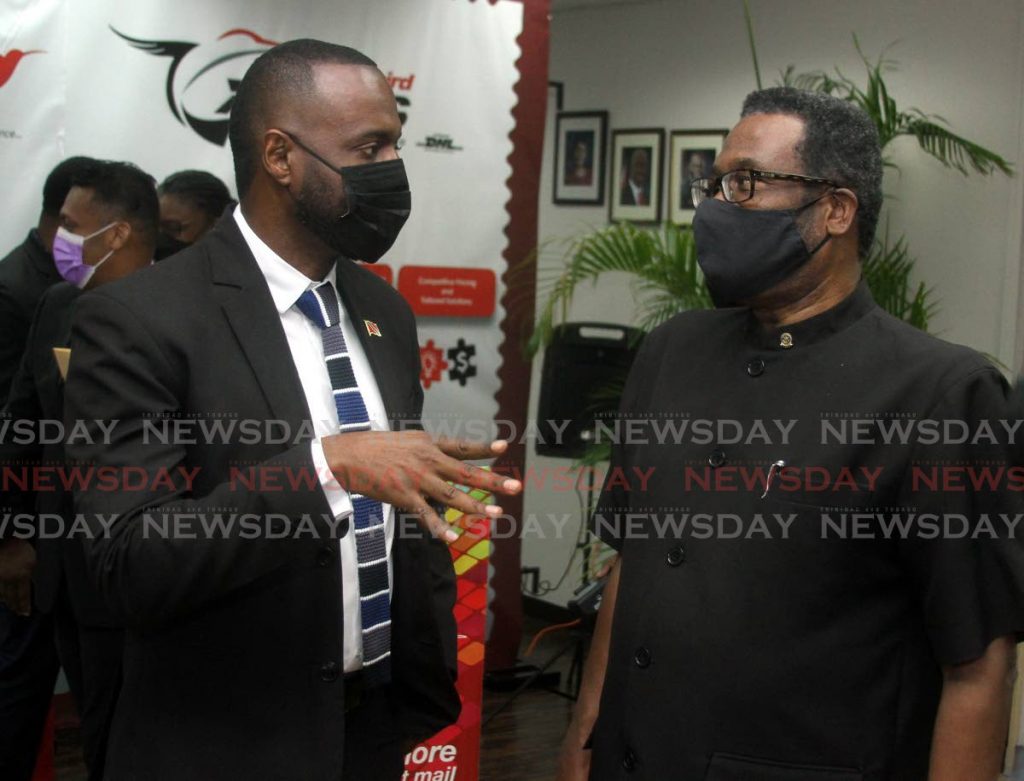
<point x="314" y="209"/>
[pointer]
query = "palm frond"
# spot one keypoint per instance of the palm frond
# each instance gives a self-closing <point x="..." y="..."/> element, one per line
<point x="930" y="130"/>
<point x="668" y="279"/>
<point x="887" y="271"/>
<point x="955" y="151"/>
<point x="750" y="39"/>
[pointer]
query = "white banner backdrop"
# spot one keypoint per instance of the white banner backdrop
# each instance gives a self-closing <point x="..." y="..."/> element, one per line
<point x="151" y="82"/>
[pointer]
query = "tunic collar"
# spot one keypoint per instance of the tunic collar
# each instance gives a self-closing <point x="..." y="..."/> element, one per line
<point x="814" y="329"/>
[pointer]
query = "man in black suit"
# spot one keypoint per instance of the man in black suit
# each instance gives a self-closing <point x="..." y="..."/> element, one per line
<point x="28" y="661"/>
<point x="233" y="562"/>
<point x="28" y="270"/>
<point x="117" y="204"/>
<point x="635" y="189"/>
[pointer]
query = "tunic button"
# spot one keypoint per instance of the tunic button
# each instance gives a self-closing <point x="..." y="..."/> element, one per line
<point x="325" y="557"/>
<point x="755" y="368"/>
<point x="629" y="761"/>
<point x="676" y="556"/>
<point x="717" y="457"/>
<point x="329" y="672"/>
<point x="642" y="658"/>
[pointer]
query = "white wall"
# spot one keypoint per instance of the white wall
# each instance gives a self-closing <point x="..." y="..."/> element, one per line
<point x="684" y="64"/>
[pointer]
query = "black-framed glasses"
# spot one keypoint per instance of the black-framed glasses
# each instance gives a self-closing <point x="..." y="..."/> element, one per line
<point x="739" y="185"/>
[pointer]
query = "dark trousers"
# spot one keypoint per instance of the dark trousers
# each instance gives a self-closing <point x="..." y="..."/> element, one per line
<point x="28" y="671"/>
<point x="92" y="659"/>
<point x="373" y="750"/>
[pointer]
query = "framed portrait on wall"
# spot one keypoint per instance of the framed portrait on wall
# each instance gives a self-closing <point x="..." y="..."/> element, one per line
<point x="580" y="149"/>
<point x="692" y="154"/>
<point x="635" y="189"/>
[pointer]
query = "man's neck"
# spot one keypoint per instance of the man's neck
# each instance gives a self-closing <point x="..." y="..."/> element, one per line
<point x="297" y="248"/>
<point x="806" y="302"/>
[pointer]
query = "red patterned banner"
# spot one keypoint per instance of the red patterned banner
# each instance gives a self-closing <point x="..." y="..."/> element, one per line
<point x="456" y="749"/>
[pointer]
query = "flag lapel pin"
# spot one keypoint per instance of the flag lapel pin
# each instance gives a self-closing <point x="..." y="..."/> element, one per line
<point x="371" y="328"/>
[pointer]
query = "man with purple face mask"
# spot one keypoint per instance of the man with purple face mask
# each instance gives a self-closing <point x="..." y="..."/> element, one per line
<point x="108" y="225"/>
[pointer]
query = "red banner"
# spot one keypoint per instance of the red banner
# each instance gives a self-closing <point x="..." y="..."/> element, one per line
<point x="441" y="291"/>
<point x="456" y="749"/>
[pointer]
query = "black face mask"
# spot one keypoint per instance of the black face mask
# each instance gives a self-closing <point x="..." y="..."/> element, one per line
<point x="743" y="252"/>
<point x="377" y="204"/>
<point x="167" y="246"/>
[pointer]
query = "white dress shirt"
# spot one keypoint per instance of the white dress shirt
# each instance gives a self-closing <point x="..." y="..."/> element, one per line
<point x="286" y="284"/>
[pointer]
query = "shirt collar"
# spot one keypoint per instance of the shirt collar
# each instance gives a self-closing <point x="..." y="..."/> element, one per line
<point x="286" y="282"/>
<point x="813" y="329"/>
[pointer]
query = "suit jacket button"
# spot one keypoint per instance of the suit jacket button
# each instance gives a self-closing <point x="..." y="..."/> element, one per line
<point x="676" y="556"/>
<point x="755" y="368"/>
<point x="629" y="761"/>
<point x="717" y="457"/>
<point x="329" y="672"/>
<point x="642" y="658"/>
<point x="324" y="557"/>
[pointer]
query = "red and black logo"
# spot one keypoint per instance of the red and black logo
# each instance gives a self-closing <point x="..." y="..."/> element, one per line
<point x="203" y="77"/>
<point x="9" y="62"/>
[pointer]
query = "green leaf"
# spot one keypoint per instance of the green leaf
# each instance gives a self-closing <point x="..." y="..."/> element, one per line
<point x="954" y="151"/>
<point x="887" y="270"/>
<point x="667" y="276"/>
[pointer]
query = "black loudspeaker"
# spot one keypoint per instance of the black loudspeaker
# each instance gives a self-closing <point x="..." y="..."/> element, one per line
<point x="580" y="363"/>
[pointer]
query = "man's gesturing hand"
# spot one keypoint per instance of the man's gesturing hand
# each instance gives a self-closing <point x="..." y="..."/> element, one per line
<point x="17" y="560"/>
<point x="408" y="469"/>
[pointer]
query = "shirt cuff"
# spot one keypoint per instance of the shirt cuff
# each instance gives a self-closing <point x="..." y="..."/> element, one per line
<point x="337" y="497"/>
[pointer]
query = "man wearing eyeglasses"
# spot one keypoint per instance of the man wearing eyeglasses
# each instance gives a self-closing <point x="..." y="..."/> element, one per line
<point x="760" y="625"/>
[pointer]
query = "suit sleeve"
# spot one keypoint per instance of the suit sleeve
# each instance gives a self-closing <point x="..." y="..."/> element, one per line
<point x="969" y="578"/>
<point x="13" y="333"/>
<point x="119" y="375"/>
<point x="19" y="446"/>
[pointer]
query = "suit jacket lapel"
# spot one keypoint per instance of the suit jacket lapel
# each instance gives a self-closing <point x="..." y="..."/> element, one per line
<point x="245" y="298"/>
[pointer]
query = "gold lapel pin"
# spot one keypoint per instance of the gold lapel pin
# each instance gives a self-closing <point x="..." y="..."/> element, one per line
<point x="371" y="328"/>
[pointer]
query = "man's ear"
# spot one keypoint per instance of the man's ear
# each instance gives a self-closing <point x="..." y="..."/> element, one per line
<point x="276" y="156"/>
<point x="120" y="234"/>
<point x="842" y="212"/>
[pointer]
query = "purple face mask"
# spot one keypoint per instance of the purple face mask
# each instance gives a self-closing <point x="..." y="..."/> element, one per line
<point x="68" y="256"/>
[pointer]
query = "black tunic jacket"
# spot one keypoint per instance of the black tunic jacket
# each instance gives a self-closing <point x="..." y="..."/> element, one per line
<point x="790" y="591"/>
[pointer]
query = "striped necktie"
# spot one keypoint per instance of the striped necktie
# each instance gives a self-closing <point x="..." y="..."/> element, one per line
<point x="320" y="304"/>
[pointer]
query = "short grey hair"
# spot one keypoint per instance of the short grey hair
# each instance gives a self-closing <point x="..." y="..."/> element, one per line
<point x="840" y="143"/>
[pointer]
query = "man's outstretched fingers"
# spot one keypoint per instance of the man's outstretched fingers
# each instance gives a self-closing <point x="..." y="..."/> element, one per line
<point x="432" y="522"/>
<point x="451" y="496"/>
<point x="467" y="474"/>
<point x="464" y="449"/>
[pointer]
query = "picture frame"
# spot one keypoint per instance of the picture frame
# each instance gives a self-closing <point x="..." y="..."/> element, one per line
<point x="580" y="151"/>
<point x="634" y="191"/>
<point x="691" y="156"/>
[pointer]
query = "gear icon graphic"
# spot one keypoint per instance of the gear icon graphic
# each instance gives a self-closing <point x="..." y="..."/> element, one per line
<point x="432" y="363"/>
<point x="461" y="355"/>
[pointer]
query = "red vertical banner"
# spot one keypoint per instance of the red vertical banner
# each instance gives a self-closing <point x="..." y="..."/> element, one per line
<point x="454" y="752"/>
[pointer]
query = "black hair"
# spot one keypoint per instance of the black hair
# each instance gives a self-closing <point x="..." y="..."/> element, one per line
<point x="840" y="143"/>
<point x="284" y="71"/>
<point x="55" y="190"/>
<point x="201" y="189"/>
<point x="126" y="191"/>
